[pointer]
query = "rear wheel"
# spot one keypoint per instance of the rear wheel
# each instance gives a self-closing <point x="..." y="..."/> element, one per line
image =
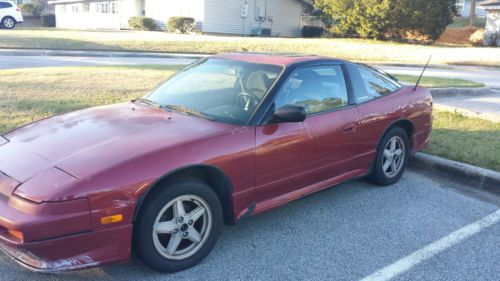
<point x="179" y="226"/>
<point x="392" y="157"/>
<point x="8" y="22"/>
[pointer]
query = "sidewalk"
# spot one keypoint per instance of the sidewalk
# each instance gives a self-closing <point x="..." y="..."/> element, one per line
<point x="85" y="53"/>
<point x="481" y="103"/>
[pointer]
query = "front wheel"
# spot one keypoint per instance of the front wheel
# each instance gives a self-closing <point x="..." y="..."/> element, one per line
<point x="8" y="22"/>
<point x="392" y="157"/>
<point x="179" y="226"/>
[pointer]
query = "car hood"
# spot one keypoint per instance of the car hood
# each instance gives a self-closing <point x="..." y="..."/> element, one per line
<point x="84" y="142"/>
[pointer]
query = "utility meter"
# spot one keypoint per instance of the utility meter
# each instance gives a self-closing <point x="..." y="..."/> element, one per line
<point x="244" y="9"/>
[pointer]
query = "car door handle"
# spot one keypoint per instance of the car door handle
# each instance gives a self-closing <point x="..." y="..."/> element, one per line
<point x="349" y="128"/>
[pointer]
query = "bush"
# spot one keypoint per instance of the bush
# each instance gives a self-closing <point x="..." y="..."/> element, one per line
<point x="32" y="9"/>
<point x="388" y="19"/>
<point x="492" y="39"/>
<point x="142" y="23"/>
<point x="309" y="31"/>
<point x="48" y="20"/>
<point x="477" y="38"/>
<point x="181" y="24"/>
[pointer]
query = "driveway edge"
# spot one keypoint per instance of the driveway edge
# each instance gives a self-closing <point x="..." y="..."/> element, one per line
<point x="476" y="177"/>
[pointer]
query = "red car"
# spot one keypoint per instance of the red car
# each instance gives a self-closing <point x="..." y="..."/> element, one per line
<point x="227" y="137"/>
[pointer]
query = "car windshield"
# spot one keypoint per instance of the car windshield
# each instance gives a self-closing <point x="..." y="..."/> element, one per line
<point x="219" y="89"/>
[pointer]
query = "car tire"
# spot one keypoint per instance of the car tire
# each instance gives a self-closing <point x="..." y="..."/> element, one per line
<point x="392" y="157"/>
<point x="8" y="22"/>
<point x="159" y="227"/>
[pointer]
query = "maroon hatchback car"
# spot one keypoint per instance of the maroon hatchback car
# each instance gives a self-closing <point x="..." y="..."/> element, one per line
<point x="227" y="137"/>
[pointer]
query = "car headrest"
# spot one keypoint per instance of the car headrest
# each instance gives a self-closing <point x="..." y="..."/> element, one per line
<point x="258" y="83"/>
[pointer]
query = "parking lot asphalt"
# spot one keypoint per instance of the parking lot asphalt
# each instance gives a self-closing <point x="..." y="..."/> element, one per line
<point x="348" y="232"/>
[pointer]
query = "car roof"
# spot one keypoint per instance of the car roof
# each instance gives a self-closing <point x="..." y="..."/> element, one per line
<point x="272" y="58"/>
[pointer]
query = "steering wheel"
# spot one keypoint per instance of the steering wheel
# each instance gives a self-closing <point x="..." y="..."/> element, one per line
<point x="246" y="100"/>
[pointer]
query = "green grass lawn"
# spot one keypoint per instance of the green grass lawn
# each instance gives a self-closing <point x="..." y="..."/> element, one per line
<point x="371" y="51"/>
<point x="32" y="94"/>
<point x="469" y="140"/>
<point x="435" y="82"/>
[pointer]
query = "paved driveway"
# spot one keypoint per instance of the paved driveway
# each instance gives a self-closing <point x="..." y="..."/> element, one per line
<point x="344" y="233"/>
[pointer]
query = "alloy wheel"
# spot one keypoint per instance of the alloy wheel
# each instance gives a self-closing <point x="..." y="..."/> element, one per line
<point x="393" y="157"/>
<point x="182" y="227"/>
<point x="8" y="23"/>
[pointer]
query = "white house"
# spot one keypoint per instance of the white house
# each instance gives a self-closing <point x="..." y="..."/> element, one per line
<point x="239" y="17"/>
<point x="492" y="31"/>
<point x="463" y="7"/>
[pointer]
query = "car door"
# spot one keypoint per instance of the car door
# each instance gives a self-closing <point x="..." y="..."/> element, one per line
<point x="291" y="156"/>
<point x="377" y="111"/>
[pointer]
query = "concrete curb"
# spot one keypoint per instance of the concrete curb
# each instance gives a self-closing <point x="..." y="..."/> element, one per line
<point x="450" y="92"/>
<point x="96" y="53"/>
<point x="478" y="178"/>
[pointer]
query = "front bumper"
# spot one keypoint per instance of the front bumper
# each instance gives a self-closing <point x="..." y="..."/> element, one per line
<point x="72" y="252"/>
<point x="57" y="236"/>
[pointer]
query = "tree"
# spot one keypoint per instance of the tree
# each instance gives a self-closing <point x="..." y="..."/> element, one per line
<point x="472" y="16"/>
<point x="389" y="19"/>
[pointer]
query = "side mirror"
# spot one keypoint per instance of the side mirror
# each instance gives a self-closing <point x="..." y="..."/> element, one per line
<point x="290" y="113"/>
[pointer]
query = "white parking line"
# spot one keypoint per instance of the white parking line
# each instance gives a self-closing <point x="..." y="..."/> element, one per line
<point x="406" y="263"/>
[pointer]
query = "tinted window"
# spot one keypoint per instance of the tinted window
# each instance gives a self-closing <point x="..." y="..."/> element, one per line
<point x="5" y="5"/>
<point x="317" y="89"/>
<point x="369" y="84"/>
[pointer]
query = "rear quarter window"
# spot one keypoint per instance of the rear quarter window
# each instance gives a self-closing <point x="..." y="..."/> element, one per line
<point x="4" y="5"/>
<point x="369" y="84"/>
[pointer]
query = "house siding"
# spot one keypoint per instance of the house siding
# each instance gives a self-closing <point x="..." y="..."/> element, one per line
<point x="464" y="9"/>
<point x="493" y="21"/>
<point x="162" y="10"/>
<point x="224" y="16"/>
<point x="86" y="15"/>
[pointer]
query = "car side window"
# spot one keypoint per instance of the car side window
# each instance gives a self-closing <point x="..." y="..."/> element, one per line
<point x="317" y="89"/>
<point x="369" y="84"/>
<point x="5" y="5"/>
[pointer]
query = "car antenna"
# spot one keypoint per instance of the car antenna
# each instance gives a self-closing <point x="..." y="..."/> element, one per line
<point x="422" y="74"/>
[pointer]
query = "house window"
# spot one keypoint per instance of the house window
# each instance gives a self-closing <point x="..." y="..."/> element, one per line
<point x="102" y="7"/>
<point x="85" y="7"/>
<point x="75" y="8"/>
<point x="114" y="8"/>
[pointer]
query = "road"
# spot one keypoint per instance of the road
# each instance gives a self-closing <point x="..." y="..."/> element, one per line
<point x="13" y="62"/>
<point x="344" y="233"/>
<point x="488" y="76"/>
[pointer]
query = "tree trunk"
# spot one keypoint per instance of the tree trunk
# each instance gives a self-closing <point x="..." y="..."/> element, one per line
<point x="472" y="16"/>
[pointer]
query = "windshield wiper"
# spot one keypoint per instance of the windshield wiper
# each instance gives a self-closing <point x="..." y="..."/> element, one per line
<point x="189" y="111"/>
<point x="148" y="102"/>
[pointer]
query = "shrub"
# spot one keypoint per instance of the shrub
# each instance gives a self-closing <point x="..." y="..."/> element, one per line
<point x="181" y="24"/>
<point x="477" y="38"/>
<point x="32" y="9"/>
<point x="492" y="39"/>
<point x="142" y="23"/>
<point x="48" y="20"/>
<point x="309" y="31"/>
<point x="381" y="19"/>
